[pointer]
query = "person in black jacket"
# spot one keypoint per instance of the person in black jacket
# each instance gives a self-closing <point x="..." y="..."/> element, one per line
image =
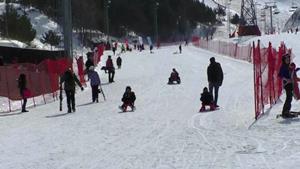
<point x="89" y="62"/>
<point x="207" y="100"/>
<point x="119" y="62"/>
<point x="22" y="85"/>
<point x="174" y="77"/>
<point x="111" y="69"/>
<point x="69" y="79"/>
<point x="128" y="99"/>
<point x="215" y="78"/>
<point x="286" y="76"/>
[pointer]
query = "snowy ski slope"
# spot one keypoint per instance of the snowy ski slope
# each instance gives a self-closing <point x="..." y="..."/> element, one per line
<point x="165" y="132"/>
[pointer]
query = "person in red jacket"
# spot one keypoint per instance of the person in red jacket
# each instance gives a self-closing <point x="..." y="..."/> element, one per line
<point x="111" y="69"/>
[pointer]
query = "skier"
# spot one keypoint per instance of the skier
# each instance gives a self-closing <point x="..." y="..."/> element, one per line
<point x="128" y="99"/>
<point x="296" y="91"/>
<point x="180" y="48"/>
<point x="174" y="77"/>
<point x="215" y="78"/>
<point x="287" y="81"/>
<point x="95" y="82"/>
<point x="123" y="49"/>
<point x="24" y="92"/>
<point x="119" y="62"/>
<point x="207" y="100"/>
<point x="111" y="69"/>
<point x="69" y="79"/>
<point x="89" y="62"/>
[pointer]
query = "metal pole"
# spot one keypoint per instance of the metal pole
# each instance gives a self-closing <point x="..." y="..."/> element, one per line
<point x="271" y="19"/>
<point x="67" y="26"/>
<point x="228" y="17"/>
<point x="106" y="3"/>
<point x="155" y="22"/>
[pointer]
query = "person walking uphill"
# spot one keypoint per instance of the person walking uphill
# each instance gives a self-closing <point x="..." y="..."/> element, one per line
<point x="111" y="69"/>
<point x="69" y="79"/>
<point x="285" y="75"/>
<point x="95" y="82"/>
<point x="215" y="78"/>
<point x="24" y="92"/>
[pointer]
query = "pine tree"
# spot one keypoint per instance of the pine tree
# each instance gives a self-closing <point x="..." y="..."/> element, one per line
<point x="51" y="38"/>
<point x="235" y="19"/>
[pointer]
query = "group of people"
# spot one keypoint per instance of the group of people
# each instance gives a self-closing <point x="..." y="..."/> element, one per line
<point x="69" y="80"/>
<point x="209" y="96"/>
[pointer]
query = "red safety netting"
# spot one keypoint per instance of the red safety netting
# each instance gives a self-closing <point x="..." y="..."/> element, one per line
<point x="266" y="65"/>
<point x="267" y="84"/>
<point x="41" y="79"/>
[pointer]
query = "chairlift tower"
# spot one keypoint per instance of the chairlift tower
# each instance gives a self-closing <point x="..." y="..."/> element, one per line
<point x="248" y="22"/>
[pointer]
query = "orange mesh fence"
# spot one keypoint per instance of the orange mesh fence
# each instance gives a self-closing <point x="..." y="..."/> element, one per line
<point x="225" y="48"/>
<point x="267" y="84"/>
<point x="266" y="65"/>
<point x="41" y="79"/>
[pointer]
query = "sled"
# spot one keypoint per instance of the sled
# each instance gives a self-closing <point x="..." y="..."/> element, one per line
<point x="296" y="114"/>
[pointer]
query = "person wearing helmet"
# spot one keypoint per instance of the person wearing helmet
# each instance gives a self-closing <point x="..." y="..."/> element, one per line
<point x="285" y="74"/>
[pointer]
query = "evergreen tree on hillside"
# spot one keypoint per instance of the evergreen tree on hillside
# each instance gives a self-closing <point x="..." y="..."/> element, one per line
<point x="235" y="19"/>
<point x="16" y="26"/>
<point x="51" y="38"/>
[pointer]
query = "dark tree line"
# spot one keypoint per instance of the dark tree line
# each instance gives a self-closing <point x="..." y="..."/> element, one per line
<point x="174" y="16"/>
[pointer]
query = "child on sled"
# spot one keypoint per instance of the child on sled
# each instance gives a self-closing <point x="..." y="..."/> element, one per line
<point x="128" y="99"/>
<point x="207" y="100"/>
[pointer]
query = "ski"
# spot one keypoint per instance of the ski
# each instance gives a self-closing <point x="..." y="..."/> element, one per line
<point x="293" y="113"/>
<point x="101" y="91"/>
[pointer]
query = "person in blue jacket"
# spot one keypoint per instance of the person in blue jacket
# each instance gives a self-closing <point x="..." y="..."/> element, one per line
<point x="95" y="82"/>
<point x="285" y="75"/>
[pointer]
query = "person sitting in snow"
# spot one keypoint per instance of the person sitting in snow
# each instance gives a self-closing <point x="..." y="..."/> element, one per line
<point x="174" y="77"/>
<point x="207" y="100"/>
<point x="128" y="99"/>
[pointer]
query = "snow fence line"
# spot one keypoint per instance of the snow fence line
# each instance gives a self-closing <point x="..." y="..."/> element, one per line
<point x="266" y="65"/>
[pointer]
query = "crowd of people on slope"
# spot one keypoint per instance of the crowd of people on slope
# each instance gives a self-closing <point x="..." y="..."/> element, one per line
<point x="69" y="80"/>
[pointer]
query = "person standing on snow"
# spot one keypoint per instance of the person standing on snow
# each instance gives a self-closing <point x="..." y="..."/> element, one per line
<point x="111" y="69"/>
<point x="89" y="62"/>
<point x="69" y="79"/>
<point x="215" y="78"/>
<point x="119" y="62"/>
<point x="22" y="85"/>
<point x="95" y="82"/>
<point x="180" y="48"/>
<point x="287" y="81"/>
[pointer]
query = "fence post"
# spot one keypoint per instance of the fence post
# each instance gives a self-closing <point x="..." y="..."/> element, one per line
<point x="260" y="75"/>
<point x="254" y="78"/>
<point x="7" y="85"/>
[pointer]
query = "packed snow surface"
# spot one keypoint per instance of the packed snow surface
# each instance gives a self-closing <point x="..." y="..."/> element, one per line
<point x="165" y="132"/>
